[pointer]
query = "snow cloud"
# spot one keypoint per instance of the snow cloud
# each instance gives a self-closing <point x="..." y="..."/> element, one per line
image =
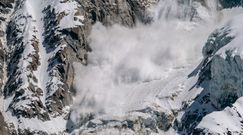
<point x="124" y="58"/>
<point x="125" y="63"/>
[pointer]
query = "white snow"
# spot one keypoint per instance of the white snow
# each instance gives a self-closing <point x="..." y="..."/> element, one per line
<point x="70" y="9"/>
<point x="221" y="121"/>
<point x="55" y="125"/>
<point x="236" y="27"/>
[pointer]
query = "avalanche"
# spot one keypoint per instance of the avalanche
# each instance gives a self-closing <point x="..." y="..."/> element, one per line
<point x="132" y="69"/>
<point x="161" y="67"/>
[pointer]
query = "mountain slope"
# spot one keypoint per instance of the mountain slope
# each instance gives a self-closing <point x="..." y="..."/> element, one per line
<point x="120" y="67"/>
<point x="41" y="40"/>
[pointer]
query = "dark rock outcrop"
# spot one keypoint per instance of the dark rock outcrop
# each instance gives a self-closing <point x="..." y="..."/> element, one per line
<point x="4" y="127"/>
<point x="231" y="3"/>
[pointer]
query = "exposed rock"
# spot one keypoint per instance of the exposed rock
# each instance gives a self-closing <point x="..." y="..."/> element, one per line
<point x="4" y="127"/>
<point x="231" y="3"/>
<point x="108" y="12"/>
<point x="145" y="121"/>
<point x="1" y="34"/>
<point x="2" y="59"/>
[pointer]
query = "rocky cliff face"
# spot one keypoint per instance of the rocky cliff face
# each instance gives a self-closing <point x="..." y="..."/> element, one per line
<point x="221" y="75"/>
<point x="41" y="39"/>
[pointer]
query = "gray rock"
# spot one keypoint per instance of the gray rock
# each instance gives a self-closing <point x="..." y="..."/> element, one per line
<point x="4" y="127"/>
<point x="220" y="78"/>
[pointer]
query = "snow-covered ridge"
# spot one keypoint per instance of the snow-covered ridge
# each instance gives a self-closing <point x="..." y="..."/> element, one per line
<point x="31" y="81"/>
<point x="228" y="117"/>
<point x="235" y="46"/>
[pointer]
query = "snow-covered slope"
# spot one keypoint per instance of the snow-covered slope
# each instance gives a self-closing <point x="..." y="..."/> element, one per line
<point x="35" y="94"/>
<point x="121" y="67"/>
<point x="225" y="87"/>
